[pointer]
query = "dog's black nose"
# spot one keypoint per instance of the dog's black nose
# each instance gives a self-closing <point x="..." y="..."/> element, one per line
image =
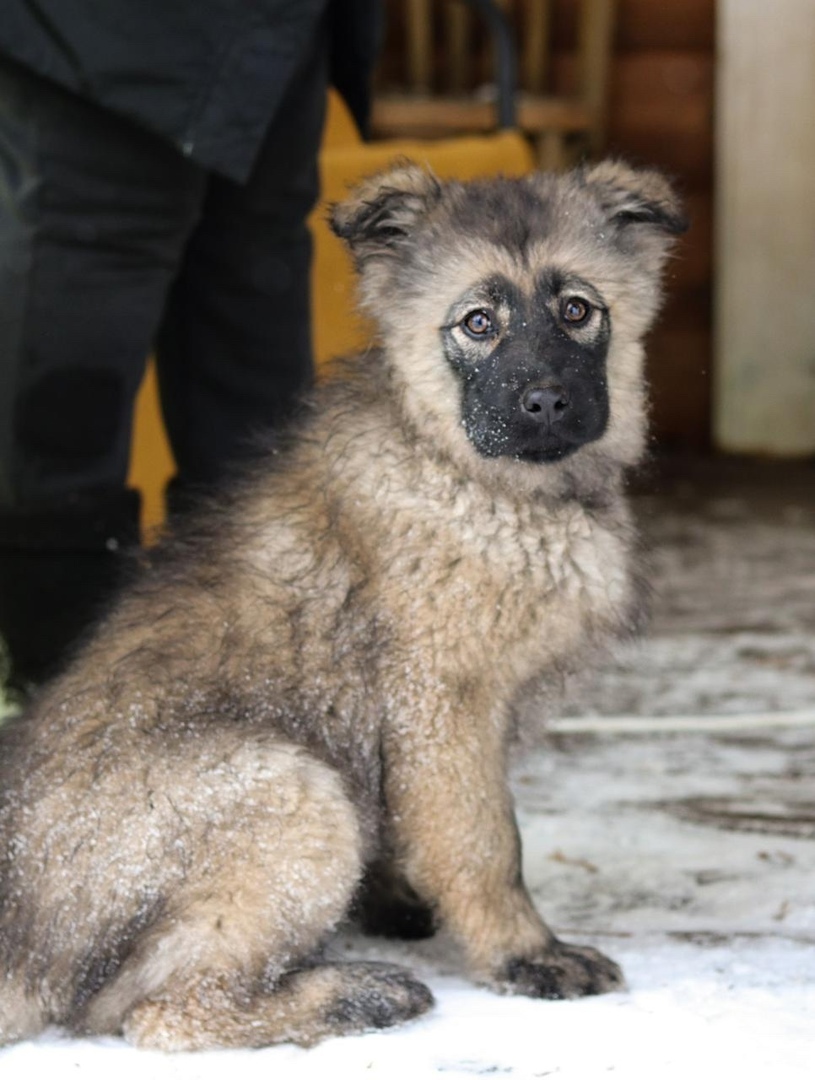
<point x="545" y="404"/>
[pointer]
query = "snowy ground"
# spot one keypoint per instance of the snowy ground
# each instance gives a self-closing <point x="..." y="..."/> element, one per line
<point x="687" y="851"/>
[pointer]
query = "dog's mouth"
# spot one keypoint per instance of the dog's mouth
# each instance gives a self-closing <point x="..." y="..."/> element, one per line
<point x="499" y="442"/>
<point x="544" y="455"/>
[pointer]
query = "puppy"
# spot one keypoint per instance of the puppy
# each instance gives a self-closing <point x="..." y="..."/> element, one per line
<point x="311" y="689"/>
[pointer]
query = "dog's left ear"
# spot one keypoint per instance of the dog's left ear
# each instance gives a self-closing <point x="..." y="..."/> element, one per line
<point x="632" y="196"/>
<point x="383" y="211"/>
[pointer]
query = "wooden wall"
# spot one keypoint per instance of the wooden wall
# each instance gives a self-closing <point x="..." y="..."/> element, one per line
<point x="660" y="113"/>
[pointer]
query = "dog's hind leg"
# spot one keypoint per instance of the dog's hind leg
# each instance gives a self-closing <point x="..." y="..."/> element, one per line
<point x="273" y="856"/>
<point x="303" y="1006"/>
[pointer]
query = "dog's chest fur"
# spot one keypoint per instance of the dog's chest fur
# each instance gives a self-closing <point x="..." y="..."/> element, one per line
<point x="506" y="582"/>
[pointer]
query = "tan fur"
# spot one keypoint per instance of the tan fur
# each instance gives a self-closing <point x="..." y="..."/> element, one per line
<point x="319" y="676"/>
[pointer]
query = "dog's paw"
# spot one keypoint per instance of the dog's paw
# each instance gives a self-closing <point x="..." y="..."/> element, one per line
<point x="377" y="996"/>
<point x="564" y="971"/>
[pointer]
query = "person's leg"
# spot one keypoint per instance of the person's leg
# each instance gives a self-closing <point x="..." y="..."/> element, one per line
<point x="234" y="352"/>
<point x="94" y="214"/>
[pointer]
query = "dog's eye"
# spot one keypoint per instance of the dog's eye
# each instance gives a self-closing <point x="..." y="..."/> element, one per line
<point x="575" y="310"/>
<point x="478" y="323"/>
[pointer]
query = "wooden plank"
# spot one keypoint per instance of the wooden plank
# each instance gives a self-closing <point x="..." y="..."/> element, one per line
<point x="419" y="45"/>
<point x="689" y="157"/>
<point x="663" y="92"/>
<point x="594" y="43"/>
<point x="535" y="45"/>
<point x="668" y="24"/>
<point x="426" y="117"/>
<point x="458" y="63"/>
<point x="678" y="368"/>
<point x="692" y="264"/>
<point x="645" y="24"/>
<point x="678" y="371"/>
<point x="686" y="306"/>
<point x="661" y="104"/>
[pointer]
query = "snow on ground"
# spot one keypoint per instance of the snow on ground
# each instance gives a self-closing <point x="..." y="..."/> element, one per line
<point x="684" y="1019"/>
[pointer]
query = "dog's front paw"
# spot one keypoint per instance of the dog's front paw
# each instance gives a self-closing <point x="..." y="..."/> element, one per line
<point x="563" y="971"/>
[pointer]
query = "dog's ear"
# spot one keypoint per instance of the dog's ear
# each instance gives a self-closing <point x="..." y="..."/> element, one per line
<point x="382" y="211"/>
<point x="632" y="196"/>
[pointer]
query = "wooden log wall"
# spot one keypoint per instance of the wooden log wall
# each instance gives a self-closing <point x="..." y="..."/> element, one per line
<point x="660" y="113"/>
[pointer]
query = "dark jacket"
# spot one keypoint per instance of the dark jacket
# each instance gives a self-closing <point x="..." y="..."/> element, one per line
<point x="206" y="74"/>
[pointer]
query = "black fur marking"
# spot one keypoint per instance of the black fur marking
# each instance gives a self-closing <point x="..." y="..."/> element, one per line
<point x="532" y="349"/>
<point x="381" y="996"/>
<point x="380" y="223"/>
<point x="568" y="972"/>
<point x="388" y="907"/>
<point x="375" y="220"/>
<point x="509" y="215"/>
<point x="675" y="224"/>
<point x="537" y="980"/>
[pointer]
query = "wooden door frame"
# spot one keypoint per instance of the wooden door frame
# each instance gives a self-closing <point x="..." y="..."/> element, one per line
<point x="764" y="371"/>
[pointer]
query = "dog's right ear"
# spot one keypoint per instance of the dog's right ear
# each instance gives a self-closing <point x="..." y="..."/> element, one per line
<point x="383" y="211"/>
<point x="631" y="196"/>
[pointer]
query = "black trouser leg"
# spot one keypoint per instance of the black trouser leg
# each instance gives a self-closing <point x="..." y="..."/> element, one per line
<point x="94" y="215"/>
<point x="234" y="353"/>
<point x="58" y="569"/>
<point x="101" y="223"/>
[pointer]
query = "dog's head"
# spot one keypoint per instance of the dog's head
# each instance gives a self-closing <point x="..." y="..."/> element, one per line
<point x="513" y="310"/>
